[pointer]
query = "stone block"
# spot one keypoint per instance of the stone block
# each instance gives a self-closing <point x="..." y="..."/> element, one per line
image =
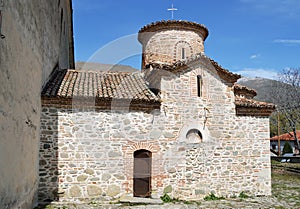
<point x="82" y="178"/>
<point x="113" y="154"/>
<point x="168" y="189"/>
<point x="113" y="190"/>
<point x="93" y="190"/>
<point x="105" y="177"/>
<point x="89" y="171"/>
<point x="75" y="191"/>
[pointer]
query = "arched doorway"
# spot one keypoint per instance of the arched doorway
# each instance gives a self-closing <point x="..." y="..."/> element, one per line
<point x="142" y="173"/>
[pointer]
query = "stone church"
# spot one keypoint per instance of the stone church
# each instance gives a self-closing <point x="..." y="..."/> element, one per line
<point x="180" y="126"/>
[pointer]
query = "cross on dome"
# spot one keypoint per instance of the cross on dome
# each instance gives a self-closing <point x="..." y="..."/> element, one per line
<point x="172" y="9"/>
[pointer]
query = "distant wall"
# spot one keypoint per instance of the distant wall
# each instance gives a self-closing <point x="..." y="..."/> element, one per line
<point x="38" y="39"/>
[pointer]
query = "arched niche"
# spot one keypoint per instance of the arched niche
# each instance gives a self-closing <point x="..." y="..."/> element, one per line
<point x="194" y="135"/>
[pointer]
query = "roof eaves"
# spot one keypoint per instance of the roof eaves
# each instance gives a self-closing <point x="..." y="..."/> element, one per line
<point x="182" y="65"/>
<point x="252" y="107"/>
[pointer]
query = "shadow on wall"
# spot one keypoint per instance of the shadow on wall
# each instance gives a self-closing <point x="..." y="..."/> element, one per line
<point x="48" y="164"/>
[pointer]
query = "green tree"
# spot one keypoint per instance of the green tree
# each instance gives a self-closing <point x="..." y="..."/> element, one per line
<point x="288" y="99"/>
<point x="287" y="148"/>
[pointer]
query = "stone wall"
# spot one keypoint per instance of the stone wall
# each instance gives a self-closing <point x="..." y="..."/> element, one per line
<point x="166" y="46"/>
<point x="88" y="154"/>
<point x="31" y="49"/>
<point x="233" y="149"/>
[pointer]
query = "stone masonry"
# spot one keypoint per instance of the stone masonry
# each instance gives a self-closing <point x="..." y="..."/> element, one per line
<point x="37" y="39"/>
<point x="162" y="42"/>
<point x="213" y="143"/>
<point x="93" y="155"/>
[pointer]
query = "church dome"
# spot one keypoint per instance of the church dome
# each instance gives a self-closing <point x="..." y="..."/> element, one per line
<point x="169" y="41"/>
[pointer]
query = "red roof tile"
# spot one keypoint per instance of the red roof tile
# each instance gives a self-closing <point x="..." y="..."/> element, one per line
<point x="287" y="136"/>
<point x="243" y="90"/>
<point x="244" y="102"/>
<point x="108" y="85"/>
<point x="182" y="65"/>
<point x="173" y="24"/>
<point x="252" y="107"/>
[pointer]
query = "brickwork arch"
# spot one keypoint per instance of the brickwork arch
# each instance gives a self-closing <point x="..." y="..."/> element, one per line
<point x="194" y="83"/>
<point x="128" y="150"/>
<point x="188" y="50"/>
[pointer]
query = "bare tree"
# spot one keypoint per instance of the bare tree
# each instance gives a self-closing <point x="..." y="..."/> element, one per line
<point x="288" y="99"/>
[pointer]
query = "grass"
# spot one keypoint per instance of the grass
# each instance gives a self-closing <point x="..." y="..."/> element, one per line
<point x="212" y="196"/>
<point x="167" y="199"/>
<point x="285" y="184"/>
<point x="243" y="195"/>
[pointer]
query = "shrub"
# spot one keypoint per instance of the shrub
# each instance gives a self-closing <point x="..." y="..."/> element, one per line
<point x="287" y="148"/>
<point x="166" y="198"/>
<point x="212" y="196"/>
<point x="243" y="195"/>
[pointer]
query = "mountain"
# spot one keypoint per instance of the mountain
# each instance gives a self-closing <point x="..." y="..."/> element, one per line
<point x="265" y="88"/>
<point x="104" y="67"/>
<point x="285" y="96"/>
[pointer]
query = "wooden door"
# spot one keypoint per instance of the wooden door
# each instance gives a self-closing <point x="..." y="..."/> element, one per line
<point x="142" y="173"/>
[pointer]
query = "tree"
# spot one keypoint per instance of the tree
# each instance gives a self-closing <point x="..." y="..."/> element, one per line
<point x="287" y="148"/>
<point x="288" y="99"/>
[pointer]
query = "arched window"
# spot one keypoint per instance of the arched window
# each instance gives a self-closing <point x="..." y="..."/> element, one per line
<point x="199" y="85"/>
<point x="182" y="53"/>
<point x="1" y="35"/>
<point x="194" y="135"/>
<point x="182" y="50"/>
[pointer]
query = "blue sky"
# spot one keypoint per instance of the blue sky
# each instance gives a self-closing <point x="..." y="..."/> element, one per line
<point x="249" y="37"/>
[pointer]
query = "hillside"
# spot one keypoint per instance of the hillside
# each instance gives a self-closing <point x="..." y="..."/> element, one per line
<point x="285" y="96"/>
<point x="103" y="67"/>
<point x="265" y="88"/>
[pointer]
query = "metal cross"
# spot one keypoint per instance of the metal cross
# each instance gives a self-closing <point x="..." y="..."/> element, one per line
<point x="172" y="9"/>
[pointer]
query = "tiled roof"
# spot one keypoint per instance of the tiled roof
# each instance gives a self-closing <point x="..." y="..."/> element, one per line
<point x="184" y="64"/>
<point x="287" y="136"/>
<point x="174" y="24"/>
<point x="103" y="87"/>
<point x="252" y="107"/>
<point x="99" y="85"/>
<point x="224" y="73"/>
<point x="244" y="102"/>
<point x="239" y="90"/>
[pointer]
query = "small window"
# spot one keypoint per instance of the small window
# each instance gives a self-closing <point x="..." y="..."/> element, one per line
<point x="182" y="53"/>
<point x="199" y="85"/>
<point x="1" y="35"/>
<point x="194" y="135"/>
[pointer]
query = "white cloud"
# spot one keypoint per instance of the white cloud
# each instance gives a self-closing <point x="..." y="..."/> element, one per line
<point x="254" y="56"/>
<point x="287" y="41"/>
<point x="258" y="72"/>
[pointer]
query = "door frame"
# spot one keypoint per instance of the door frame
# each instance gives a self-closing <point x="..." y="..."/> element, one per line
<point x="148" y="173"/>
